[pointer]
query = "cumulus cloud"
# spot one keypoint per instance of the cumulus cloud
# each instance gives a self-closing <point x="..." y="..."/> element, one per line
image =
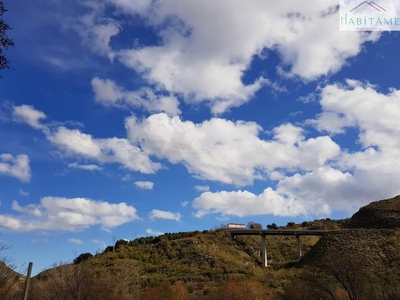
<point x="347" y="180"/>
<point x="109" y="150"/>
<point x="153" y="232"/>
<point x="314" y="193"/>
<point x="28" y="114"/>
<point x="205" y="48"/>
<point x="165" y="215"/>
<point x="75" y="165"/>
<point x="359" y="105"/>
<point x="75" y="241"/>
<point x="145" y="185"/>
<point x="15" y="166"/>
<point x="313" y="175"/>
<point x="244" y="203"/>
<point x="108" y="93"/>
<point x="226" y="151"/>
<point x="374" y="115"/>
<point x="68" y="214"/>
<point x="73" y="142"/>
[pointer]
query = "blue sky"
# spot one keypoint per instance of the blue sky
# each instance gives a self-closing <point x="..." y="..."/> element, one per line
<point x="134" y="118"/>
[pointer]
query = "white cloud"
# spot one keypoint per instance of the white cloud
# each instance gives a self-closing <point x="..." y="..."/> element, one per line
<point x="202" y="188"/>
<point x="184" y="203"/>
<point x="75" y="241"/>
<point x="347" y="180"/>
<point x="229" y="152"/>
<point x="375" y="116"/>
<point x="108" y="93"/>
<point x="359" y="105"/>
<point x="15" y="166"/>
<point x="206" y="47"/>
<point x="28" y="114"/>
<point x="64" y="214"/>
<point x="95" y="30"/>
<point x="165" y="215"/>
<point x="23" y="193"/>
<point x="110" y="150"/>
<point x="244" y="203"/>
<point x="75" y="165"/>
<point x="73" y="142"/>
<point x="153" y="232"/>
<point x="145" y="185"/>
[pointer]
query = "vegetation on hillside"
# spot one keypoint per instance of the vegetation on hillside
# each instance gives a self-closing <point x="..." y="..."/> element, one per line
<point x="348" y="263"/>
<point x="378" y="214"/>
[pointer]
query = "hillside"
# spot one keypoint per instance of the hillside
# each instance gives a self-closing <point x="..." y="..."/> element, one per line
<point x="9" y="279"/>
<point x="204" y="256"/>
<point x="378" y="214"/>
<point x="377" y="248"/>
<point x="201" y="265"/>
<point x="370" y="235"/>
<point x="210" y="264"/>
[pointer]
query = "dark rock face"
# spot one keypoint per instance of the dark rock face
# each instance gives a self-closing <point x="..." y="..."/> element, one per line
<point x="378" y="214"/>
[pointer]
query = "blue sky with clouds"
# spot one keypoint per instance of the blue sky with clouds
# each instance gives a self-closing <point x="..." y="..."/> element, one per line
<point x="134" y="118"/>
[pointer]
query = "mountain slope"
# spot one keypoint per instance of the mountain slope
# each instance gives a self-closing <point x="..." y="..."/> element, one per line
<point x="378" y="214"/>
<point x="376" y="248"/>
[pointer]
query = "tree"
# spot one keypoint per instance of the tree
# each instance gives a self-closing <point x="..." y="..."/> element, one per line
<point x="10" y="283"/>
<point x="312" y="284"/>
<point x="83" y="257"/>
<point x="272" y="226"/>
<point x="124" y="276"/>
<point x="233" y="290"/>
<point x="70" y="282"/>
<point x="9" y="280"/>
<point x="5" y="42"/>
<point x="349" y="272"/>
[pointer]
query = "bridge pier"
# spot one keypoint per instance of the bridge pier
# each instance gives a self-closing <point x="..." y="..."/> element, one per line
<point x="264" y="233"/>
<point x="264" y="251"/>
<point x="298" y="244"/>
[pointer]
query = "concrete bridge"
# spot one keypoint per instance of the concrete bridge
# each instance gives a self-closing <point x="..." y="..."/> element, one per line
<point x="264" y="233"/>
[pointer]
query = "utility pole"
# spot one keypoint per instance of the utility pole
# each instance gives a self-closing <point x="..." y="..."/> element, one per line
<point x="114" y="239"/>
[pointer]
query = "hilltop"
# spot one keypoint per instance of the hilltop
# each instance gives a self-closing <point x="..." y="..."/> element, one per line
<point x="378" y="214"/>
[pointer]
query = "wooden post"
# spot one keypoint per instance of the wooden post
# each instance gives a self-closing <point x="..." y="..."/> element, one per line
<point x="298" y="246"/>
